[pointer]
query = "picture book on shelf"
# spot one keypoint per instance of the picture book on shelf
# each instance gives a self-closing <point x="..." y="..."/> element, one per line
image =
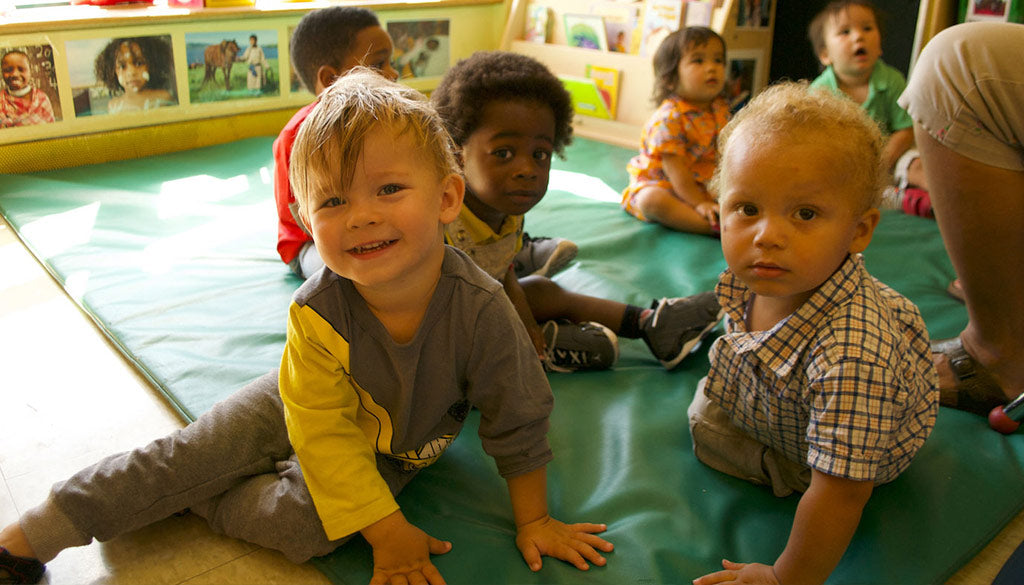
<point x="607" y="81"/>
<point x="661" y="18"/>
<point x="621" y="24"/>
<point x="538" y="23"/>
<point x="585" y="31"/>
<point x="586" y="97"/>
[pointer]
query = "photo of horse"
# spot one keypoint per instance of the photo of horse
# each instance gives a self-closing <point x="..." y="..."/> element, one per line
<point x="231" y="65"/>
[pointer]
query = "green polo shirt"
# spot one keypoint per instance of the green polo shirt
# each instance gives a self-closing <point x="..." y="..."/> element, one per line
<point x="885" y="86"/>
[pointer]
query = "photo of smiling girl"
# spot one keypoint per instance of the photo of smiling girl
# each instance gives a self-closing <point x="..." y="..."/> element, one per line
<point x="28" y="95"/>
<point x="138" y="72"/>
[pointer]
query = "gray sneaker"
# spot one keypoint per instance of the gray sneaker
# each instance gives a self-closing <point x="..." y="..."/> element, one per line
<point x="579" y="346"/>
<point x="678" y="325"/>
<point x="543" y="256"/>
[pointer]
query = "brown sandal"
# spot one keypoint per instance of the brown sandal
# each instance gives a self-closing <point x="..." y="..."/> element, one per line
<point x="976" y="390"/>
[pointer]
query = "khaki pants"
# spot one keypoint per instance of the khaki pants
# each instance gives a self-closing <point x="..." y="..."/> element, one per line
<point x="721" y="445"/>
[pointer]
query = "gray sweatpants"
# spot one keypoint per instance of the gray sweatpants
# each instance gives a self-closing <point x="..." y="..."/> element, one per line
<point x="233" y="466"/>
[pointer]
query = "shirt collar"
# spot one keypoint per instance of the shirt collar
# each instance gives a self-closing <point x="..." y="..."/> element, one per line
<point x="780" y="347"/>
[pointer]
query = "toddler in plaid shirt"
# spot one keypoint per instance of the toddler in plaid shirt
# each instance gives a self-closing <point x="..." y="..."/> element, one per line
<point x="823" y="382"/>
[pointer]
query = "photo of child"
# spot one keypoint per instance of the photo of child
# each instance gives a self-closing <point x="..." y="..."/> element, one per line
<point x="29" y="94"/>
<point x="121" y="75"/>
<point x="230" y="65"/>
<point x="421" y="47"/>
<point x="987" y="10"/>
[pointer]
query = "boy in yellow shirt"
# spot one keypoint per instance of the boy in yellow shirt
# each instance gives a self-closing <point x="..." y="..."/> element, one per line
<point x="386" y="354"/>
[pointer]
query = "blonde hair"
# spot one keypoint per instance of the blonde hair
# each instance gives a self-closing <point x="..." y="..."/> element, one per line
<point x="791" y="112"/>
<point x="331" y="139"/>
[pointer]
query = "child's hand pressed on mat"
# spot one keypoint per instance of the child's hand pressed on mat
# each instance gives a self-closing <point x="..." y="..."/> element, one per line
<point x="573" y="543"/>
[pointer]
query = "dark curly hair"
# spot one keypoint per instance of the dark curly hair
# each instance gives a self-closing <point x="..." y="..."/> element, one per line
<point x="816" y="30"/>
<point x="155" y="50"/>
<point x="670" y="52"/>
<point x="488" y="76"/>
<point x="325" y="37"/>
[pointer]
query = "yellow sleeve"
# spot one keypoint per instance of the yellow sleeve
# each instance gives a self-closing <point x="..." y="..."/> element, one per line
<point x="321" y="409"/>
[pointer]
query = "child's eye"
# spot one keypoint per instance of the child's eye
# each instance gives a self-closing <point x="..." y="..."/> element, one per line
<point x="748" y="209"/>
<point x="806" y="214"/>
<point x="390" y="189"/>
<point x="331" y="202"/>
<point x="542" y="155"/>
<point x="503" y="153"/>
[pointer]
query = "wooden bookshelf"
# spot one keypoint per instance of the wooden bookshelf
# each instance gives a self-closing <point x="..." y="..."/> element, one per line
<point x="637" y="78"/>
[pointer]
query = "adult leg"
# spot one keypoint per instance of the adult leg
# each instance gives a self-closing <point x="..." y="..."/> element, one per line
<point x="980" y="212"/>
<point x="965" y="96"/>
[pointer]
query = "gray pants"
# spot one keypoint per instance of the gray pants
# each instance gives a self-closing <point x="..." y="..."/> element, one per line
<point x="721" y="445"/>
<point x="233" y="466"/>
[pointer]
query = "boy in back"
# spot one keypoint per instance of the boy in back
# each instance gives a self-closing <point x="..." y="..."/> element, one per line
<point x="387" y="351"/>
<point x="847" y="40"/>
<point x="325" y="44"/>
<point x="823" y="382"/>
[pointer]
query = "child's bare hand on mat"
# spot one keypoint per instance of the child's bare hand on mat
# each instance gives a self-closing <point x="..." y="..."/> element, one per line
<point x="709" y="209"/>
<point x="747" y="573"/>
<point x="573" y="543"/>
<point x="401" y="552"/>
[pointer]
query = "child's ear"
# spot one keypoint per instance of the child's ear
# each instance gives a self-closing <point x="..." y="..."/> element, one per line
<point x="824" y="59"/>
<point x="865" y="230"/>
<point x="325" y="76"/>
<point x="454" y="189"/>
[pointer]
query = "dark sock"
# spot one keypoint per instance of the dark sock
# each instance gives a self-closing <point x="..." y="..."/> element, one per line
<point x="630" y="328"/>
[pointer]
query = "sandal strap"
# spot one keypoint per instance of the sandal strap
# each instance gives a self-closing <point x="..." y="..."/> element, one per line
<point x="976" y="390"/>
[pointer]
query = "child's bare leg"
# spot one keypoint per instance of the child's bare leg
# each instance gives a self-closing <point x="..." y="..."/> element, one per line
<point x="662" y="206"/>
<point x="549" y="301"/>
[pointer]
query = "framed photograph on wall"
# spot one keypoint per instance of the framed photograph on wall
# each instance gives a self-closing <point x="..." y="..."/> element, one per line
<point x="29" y="93"/>
<point x="232" y="65"/>
<point x="991" y="10"/>
<point x="744" y="77"/>
<point x="422" y="47"/>
<point x="121" y="75"/>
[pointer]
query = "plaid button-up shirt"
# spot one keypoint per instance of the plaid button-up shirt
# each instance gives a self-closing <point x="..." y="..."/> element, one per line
<point x="845" y="384"/>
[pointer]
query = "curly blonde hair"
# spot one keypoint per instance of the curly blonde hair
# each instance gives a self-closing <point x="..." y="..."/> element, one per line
<point x="331" y="139"/>
<point x="791" y="111"/>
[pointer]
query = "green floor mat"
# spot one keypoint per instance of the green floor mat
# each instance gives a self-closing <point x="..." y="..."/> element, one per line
<point x="173" y="256"/>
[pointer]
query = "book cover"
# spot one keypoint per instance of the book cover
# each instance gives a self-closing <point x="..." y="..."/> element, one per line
<point x="586" y="97"/>
<point x="698" y="12"/>
<point x="538" y="23"/>
<point x="661" y="18"/>
<point x="621" y="24"/>
<point x="585" y="31"/>
<point x="607" y="81"/>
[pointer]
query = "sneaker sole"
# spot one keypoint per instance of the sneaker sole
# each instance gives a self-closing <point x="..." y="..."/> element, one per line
<point x="692" y="345"/>
<point x="562" y="256"/>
